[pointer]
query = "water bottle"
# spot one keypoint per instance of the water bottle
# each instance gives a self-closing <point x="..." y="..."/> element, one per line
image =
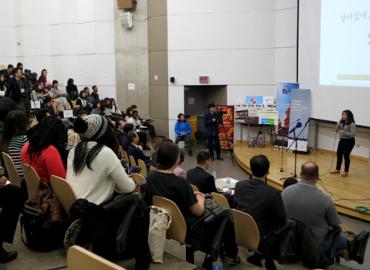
<point x="217" y="265"/>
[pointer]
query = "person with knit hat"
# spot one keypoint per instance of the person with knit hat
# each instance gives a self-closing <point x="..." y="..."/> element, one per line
<point x="93" y="169"/>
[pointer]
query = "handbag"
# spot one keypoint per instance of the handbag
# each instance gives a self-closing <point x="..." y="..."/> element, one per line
<point x="37" y="234"/>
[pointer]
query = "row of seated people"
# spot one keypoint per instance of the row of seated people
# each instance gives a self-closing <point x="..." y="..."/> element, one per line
<point x="94" y="159"/>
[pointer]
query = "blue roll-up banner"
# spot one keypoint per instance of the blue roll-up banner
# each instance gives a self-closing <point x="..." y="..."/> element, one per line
<point x="299" y="119"/>
<point x="283" y="101"/>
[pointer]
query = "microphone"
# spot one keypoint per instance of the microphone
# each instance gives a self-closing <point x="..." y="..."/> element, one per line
<point x="298" y="125"/>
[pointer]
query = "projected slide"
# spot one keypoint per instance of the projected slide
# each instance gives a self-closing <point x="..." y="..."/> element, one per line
<point x="345" y="43"/>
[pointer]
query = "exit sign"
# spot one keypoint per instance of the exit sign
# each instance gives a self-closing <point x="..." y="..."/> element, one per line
<point x="203" y="79"/>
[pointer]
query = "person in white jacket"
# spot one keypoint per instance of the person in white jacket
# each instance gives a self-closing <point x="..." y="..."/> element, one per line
<point x="93" y="169"/>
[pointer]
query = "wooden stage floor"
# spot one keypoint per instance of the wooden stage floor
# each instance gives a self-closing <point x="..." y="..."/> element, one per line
<point x="346" y="192"/>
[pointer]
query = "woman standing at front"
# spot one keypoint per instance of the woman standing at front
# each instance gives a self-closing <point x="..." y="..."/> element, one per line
<point x="346" y="128"/>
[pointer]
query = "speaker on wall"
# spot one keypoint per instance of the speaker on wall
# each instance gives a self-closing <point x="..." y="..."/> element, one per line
<point x="172" y="79"/>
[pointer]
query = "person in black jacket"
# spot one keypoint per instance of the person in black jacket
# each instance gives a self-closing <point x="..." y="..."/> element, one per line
<point x="135" y="150"/>
<point x="95" y="94"/>
<point x="262" y="202"/>
<point x="199" y="175"/>
<point x="212" y="120"/>
<point x="72" y="91"/>
<point x="18" y="90"/>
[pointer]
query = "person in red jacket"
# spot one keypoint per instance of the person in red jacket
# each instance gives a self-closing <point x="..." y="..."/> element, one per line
<point x="46" y="149"/>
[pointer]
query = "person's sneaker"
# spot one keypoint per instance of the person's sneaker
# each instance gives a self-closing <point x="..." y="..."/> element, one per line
<point x="231" y="261"/>
<point x="334" y="172"/>
<point x="359" y="244"/>
<point x="7" y="256"/>
<point x="255" y="260"/>
<point x="220" y="158"/>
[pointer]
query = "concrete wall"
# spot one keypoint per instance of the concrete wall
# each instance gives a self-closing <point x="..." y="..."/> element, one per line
<point x="70" y="38"/>
<point x="248" y="45"/>
<point x="131" y="47"/>
<point x="158" y="65"/>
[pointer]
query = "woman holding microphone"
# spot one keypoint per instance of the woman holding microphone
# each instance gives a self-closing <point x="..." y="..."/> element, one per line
<point x="346" y="128"/>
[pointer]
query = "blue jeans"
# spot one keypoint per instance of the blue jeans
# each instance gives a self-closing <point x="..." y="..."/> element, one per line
<point x="331" y="242"/>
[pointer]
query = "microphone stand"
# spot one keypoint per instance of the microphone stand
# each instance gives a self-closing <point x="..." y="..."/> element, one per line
<point x="296" y="145"/>
<point x="281" y="149"/>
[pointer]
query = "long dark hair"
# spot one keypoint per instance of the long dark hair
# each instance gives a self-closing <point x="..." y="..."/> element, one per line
<point x="50" y="131"/>
<point x="15" y="124"/>
<point x="350" y="118"/>
<point x="85" y="156"/>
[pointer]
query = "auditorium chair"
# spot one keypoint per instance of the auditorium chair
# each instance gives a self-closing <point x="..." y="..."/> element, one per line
<point x="13" y="175"/>
<point x="138" y="178"/>
<point x="142" y="166"/>
<point x="221" y="199"/>
<point x="63" y="191"/>
<point x="79" y="258"/>
<point x="194" y="187"/>
<point x="178" y="228"/>
<point x="132" y="160"/>
<point x="32" y="180"/>
<point x="247" y="234"/>
<point x="123" y="154"/>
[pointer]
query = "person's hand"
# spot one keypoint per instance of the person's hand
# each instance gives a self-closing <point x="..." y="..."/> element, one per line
<point x="3" y="181"/>
<point x="200" y="196"/>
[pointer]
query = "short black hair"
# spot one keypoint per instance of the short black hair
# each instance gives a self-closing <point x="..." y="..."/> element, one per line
<point x="17" y="69"/>
<point x="167" y="154"/>
<point x="260" y="165"/>
<point x="41" y="114"/>
<point x="211" y="105"/>
<point x="131" y="136"/>
<point x="128" y="127"/>
<point x="202" y="157"/>
<point x="10" y="66"/>
<point x="289" y="181"/>
<point x="55" y="81"/>
<point x="179" y="115"/>
<point x="93" y="87"/>
<point x="6" y="105"/>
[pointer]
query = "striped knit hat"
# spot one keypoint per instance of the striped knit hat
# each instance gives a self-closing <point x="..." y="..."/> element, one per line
<point x="91" y="127"/>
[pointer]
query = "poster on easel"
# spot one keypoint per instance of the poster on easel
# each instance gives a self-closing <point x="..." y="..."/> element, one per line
<point x="283" y="105"/>
<point x="299" y="120"/>
<point x="226" y="130"/>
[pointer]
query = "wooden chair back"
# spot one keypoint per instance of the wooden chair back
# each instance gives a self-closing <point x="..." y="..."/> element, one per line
<point x="194" y="187"/>
<point x="79" y="258"/>
<point x="64" y="192"/>
<point x="132" y="160"/>
<point x="138" y="178"/>
<point x="247" y="234"/>
<point x="32" y="180"/>
<point x="123" y="154"/>
<point x="178" y="227"/>
<point x="13" y="174"/>
<point x="142" y="165"/>
<point x="221" y="199"/>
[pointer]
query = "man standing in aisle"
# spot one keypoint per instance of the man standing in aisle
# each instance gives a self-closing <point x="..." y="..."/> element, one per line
<point x="212" y="120"/>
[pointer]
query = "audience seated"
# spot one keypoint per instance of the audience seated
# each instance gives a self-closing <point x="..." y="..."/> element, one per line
<point x="135" y="150"/>
<point x="183" y="130"/>
<point x="93" y="169"/>
<point x="6" y="105"/>
<point x="82" y="101"/>
<point x="46" y="149"/>
<point x="61" y="102"/>
<point x="145" y="123"/>
<point x="163" y="182"/>
<point x="199" y="175"/>
<point x="14" y="137"/>
<point x="262" y="202"/>
<point x="304" y="201"/>
<point x="179" y="171"/>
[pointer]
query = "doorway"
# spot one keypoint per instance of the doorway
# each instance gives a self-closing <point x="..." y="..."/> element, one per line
<point x="197" y="97"/>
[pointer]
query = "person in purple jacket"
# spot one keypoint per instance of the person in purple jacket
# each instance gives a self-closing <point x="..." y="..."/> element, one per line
<point x="183" y="131"/>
